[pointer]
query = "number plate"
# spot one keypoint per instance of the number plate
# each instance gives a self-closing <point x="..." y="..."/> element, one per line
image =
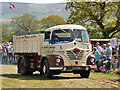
<point x="76" y="68"/>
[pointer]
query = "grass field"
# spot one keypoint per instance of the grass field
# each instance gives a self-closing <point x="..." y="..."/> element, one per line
<point x="11" y="79"/>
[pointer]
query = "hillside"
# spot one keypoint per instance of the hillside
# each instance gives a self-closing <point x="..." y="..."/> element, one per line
<point x="38" y="10"/>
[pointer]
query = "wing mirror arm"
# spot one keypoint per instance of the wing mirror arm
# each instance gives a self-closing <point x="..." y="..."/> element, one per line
<point x="49" y="41"/>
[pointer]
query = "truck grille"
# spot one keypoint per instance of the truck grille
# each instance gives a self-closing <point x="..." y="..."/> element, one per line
<point x="74" y="56"/>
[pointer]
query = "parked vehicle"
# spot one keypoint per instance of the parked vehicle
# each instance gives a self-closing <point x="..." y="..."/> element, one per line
<point x="101" y="41"/>
<point x="60" y="49"/>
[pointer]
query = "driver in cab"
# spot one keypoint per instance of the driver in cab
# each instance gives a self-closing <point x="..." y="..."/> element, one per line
<point x="55" y="38"/>
<point x="77" y="37"/>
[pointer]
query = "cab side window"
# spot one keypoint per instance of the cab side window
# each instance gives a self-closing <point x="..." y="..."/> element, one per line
<point x="47" y="36"/>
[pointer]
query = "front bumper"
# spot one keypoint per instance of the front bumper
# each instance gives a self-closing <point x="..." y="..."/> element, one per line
<point x="66" y="68"/>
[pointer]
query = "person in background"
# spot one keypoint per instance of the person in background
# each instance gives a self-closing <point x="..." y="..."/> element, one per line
<point x="11" y="51"/>
<point x="9" y="48"/>
<point x="6" y="46"/>
<point x="99" y="48"/>
<point x="96" y="53"/>
<point x="102" y="60"/>
<point x="104" y="47"/>
<point x="0" y="46"/>
<point x="108" y="55"/>
<point x="0" y="53"/>
<point x="114" y="62"/>
<point x="116" y="47"/>
<point x="4" y="55"/>
<point x="113" y="51"/>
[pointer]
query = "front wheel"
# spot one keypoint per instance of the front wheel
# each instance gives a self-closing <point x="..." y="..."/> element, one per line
<point x="84" y="74"/>
<point x="46" y="69"/>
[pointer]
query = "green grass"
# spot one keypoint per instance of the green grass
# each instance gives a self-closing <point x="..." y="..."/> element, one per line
<point x="10" y="79"/>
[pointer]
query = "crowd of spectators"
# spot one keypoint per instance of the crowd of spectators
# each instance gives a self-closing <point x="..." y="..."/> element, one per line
<point x="106" y="57"/>
<point x="6" y="53"/>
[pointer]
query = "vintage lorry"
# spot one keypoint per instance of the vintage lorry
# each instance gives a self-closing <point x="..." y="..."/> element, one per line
<point x="60" y="49"/>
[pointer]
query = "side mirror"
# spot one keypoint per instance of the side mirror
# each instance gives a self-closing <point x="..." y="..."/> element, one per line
<point x="49" y="41"/>
<point x="90" y="41"/>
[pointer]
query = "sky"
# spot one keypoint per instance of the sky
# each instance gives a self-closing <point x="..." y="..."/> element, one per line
<point x="35" y="1"/>
<point x="49" y="1"/>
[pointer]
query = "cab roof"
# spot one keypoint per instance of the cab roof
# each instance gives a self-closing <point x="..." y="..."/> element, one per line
<point x="66" y="26"/>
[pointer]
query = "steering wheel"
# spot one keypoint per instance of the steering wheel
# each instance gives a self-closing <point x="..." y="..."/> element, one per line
<point x="56" y="40"/>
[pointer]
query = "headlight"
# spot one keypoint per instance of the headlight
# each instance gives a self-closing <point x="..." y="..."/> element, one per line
<point x="87" y="68"/>
<point x="57" y="60"/>
<point x="92" y="60"/>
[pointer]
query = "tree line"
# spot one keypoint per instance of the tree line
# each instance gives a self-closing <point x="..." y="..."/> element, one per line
<point x="28" y="23"/>
<point x="98" y="17"/>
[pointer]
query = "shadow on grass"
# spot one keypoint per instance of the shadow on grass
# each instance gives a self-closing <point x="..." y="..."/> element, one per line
<point x="35" y="77"/>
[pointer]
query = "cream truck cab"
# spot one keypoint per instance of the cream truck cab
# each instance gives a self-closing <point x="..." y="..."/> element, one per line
<point x="60" y="49"/>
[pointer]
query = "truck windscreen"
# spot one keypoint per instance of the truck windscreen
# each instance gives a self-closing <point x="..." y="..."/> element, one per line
<point x="67" y="35"/>
<point x="80" y="35"/>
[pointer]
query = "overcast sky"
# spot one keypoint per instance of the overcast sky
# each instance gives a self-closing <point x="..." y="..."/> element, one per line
<point x="35" y="1"/>
<point x="51" y="1"/>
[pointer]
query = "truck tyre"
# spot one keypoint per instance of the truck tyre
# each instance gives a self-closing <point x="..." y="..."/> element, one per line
<point x="46" y="69"/>
<point x="41" y="70"/>
<point x="85" y="74"/>
<point x="23" y="68"/>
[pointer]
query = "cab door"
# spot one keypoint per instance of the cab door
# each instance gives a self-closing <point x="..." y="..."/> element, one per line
<point x="47" y="47"/>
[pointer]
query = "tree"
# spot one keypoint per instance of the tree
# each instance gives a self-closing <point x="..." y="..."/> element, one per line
<point x="25" y="23"/>
<point x="5" y="34"/>
<point x="51" y="20"/>
<point x="99" y="17"/>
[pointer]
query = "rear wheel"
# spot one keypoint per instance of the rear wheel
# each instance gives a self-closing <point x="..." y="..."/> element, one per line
<point x="24" y="70"/>
<point x="46" y="69"/>
<point x="85" y="74"/>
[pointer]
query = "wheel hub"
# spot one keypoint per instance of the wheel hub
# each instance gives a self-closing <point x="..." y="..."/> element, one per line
<point x="44" y="69"/>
